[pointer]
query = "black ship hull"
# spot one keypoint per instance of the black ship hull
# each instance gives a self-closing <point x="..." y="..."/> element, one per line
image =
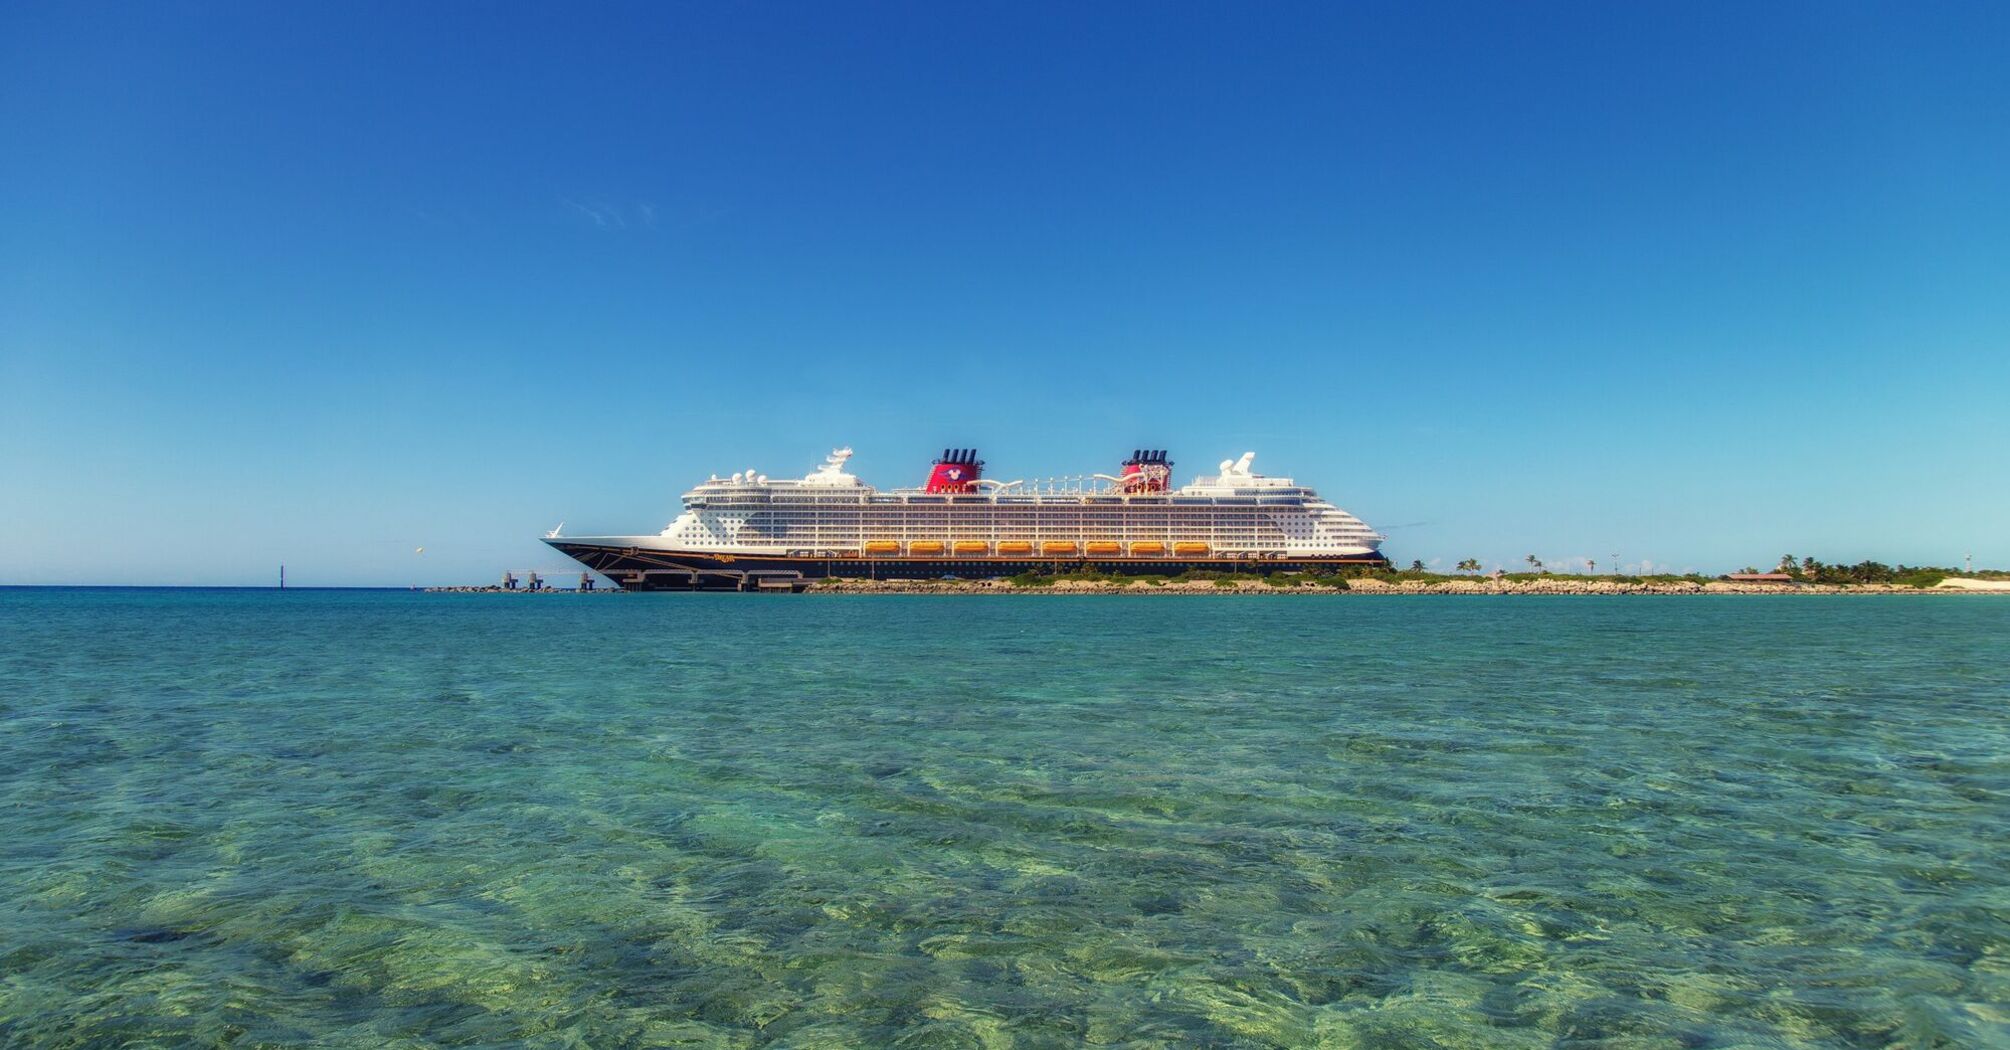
<point x="650" y="569"/>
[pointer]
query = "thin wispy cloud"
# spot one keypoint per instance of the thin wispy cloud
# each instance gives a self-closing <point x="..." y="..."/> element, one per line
<point x="602" y="215"/>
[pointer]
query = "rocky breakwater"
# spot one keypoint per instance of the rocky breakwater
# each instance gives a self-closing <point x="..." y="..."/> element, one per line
<point x="1596" y="586"/>
<point x="1363" y="585"/>
<point x="1545" y="585"/>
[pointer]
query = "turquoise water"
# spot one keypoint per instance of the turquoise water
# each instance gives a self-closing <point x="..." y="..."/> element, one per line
<point x="383" y="818"/>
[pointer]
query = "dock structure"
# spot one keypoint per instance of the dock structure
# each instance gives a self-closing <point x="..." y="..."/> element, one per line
<point x="772" y="581"/>
<point x="528" y="581"/>
<point x="764" y="581"/>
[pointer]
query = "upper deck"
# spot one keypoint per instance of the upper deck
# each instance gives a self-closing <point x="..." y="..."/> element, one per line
<point x="830" y="485"/>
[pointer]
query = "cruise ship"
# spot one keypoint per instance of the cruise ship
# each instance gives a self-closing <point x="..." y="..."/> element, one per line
<point x="748" y="531"/>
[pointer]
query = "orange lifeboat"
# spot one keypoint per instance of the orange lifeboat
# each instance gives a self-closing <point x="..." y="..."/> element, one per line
<point x="1105" y="547"/>
<point x="1152" y="549"/>
<point x="1190" y="549"/>
<point x="882" y="547"/>
<point x="1053" y="547"/>
<point x="925" y="547"/>
<point x="972" y="547"/>
<point x="1014" y="547"/>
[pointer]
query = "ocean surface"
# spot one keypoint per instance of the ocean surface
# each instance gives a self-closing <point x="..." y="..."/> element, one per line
<point x="378" y="819"/>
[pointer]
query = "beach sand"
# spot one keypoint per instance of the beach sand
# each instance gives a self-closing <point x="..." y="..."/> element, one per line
<point x="1963" y="583"/>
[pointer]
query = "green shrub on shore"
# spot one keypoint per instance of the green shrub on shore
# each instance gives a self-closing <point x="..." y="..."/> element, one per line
<point x="1404" y="575"/>
<point x="1813" y="570"/>
<point x="1042" y="579"/>
<point x="1335" y="581"/>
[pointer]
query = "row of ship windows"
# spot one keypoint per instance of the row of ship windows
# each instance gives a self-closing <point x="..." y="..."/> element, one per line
<point x="1061" y="531"/>
<point x="1046" y="528"/>
<point x="1030" y="533"/>
<point x="1019" y="520"/>
<point x="849" y="538"/>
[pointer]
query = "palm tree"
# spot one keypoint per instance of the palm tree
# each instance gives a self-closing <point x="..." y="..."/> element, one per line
<point x="1534" y="563"/>
<point x="1470" y="565"/>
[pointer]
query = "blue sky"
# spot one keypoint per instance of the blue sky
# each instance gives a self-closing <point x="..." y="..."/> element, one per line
<point x="1695" y="284"/>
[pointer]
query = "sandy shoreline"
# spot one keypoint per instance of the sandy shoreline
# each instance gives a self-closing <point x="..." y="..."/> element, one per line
<point x="1962" y="583"/>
